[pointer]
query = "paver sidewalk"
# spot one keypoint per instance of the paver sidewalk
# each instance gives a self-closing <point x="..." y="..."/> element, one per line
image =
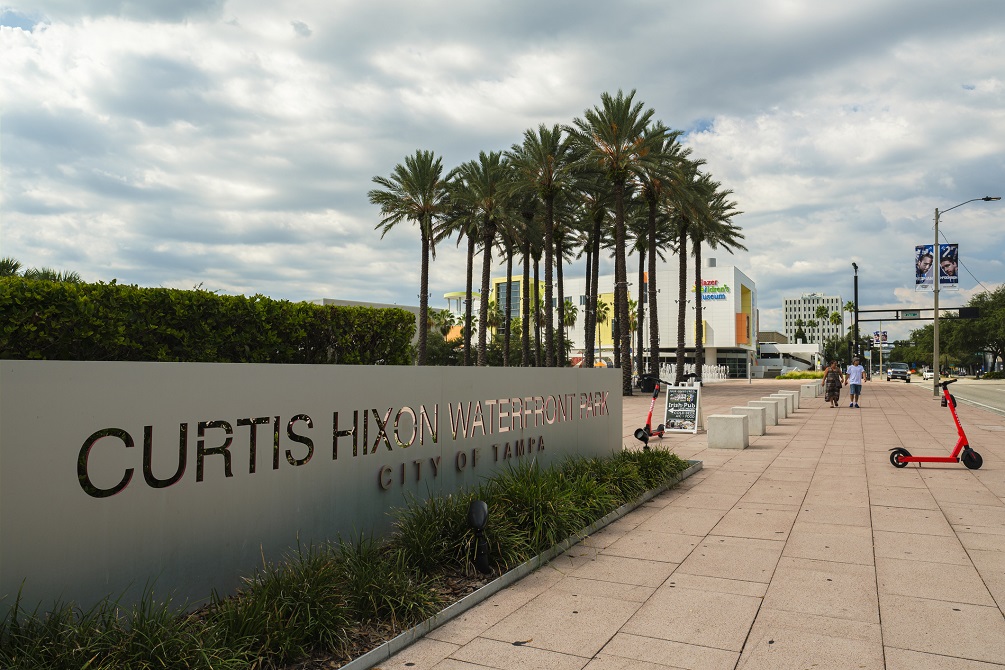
<point x="806" y="550"/>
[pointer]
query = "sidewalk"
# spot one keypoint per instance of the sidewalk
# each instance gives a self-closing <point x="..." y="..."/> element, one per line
<point x="806" y="550"/>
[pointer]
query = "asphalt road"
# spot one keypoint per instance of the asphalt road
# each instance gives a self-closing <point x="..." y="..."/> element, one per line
<point x="988" y="395"/>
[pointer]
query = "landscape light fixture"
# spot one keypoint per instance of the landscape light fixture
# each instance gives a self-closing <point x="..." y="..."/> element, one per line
<point x="478" y="517"/>
<point x="935" y="290"/>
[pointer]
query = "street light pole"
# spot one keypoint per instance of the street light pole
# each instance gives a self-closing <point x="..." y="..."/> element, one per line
<point x="935" y="290"/>
<point x="855" y="347"/>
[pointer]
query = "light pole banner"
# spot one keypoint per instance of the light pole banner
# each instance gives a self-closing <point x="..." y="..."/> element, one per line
<point x="948" y="267"/>
<point x="924" y="264"/>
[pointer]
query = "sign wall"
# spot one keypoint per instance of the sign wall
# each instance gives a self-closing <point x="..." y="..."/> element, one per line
<point x="115" y="476"/>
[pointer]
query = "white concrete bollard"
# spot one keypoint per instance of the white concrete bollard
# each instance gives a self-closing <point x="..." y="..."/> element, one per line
<point x="795" y="397"/>
<point x="755" y="418"/>
<point x="727" y="431"/>
<point x="770" y="410"/>
<point x="783" y="405"/>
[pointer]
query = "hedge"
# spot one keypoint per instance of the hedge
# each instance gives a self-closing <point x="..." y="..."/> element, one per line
<point x="111" y="322"/>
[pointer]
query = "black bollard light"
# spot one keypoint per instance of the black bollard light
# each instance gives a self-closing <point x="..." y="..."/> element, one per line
<point x="478" y="516"/>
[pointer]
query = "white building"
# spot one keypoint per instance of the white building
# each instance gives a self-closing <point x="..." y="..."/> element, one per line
<point x="805" y="308"/>
<point x="729" y="314"/>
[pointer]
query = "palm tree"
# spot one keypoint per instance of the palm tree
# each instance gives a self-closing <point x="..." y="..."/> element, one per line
<point x="823" y="317"/>
<point x="459" y="219"/>
<point x="9" y="267"/>
<point x="414" y="192"/>
<point x="569" y="315"/>
<point x="799" y="333"/>
<point x="811" y="324"/>
<point x="716" y="229"/>
<point x="614" y="141"/>
<point x="684" y="211"/>
<point x="483" y="188"/>
<point x="603" y="315"/>
<point x="543" y="164"/>
<point x="48" y="274"/>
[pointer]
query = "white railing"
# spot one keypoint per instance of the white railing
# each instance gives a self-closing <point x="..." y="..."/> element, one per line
<point x="709" y="373"/>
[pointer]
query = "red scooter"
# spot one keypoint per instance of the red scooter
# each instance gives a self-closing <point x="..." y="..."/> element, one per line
<point x="643" y="434"/>
<point x="900" y="457"/>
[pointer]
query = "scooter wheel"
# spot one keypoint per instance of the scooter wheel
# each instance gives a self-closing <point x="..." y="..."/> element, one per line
<point x="972" y="459"/>
<point x="896" y="455"/>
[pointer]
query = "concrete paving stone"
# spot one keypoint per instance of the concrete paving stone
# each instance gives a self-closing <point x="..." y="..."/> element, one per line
<point x="716" y="584"/>
<point x="937" y="581"/>
<point x="983" y="538"/>
<point x="505" y="655"/>
<point x="946" y="628"/>
<point x="621" y="570"/>
<point x="603" y="538"/>
<point x="905" y="520"/>
<point x="843" y="515"/>
<point x="931" y="548"/>
<point x="786" y="493"/>
<point x="970" y="496"/>
<point x="446" y="664"/>
<point x="740" y="558"/>
<point x="779" y="474"/>
<point x="424" y="654"/>
<point x="565" y="622"/>
<point x="905" y="659"/>
<point x="778" y="648"/>
<point x="573" y="559"/>
<point x="702" y="618"/>
<point x="604" y="662"/>
<point x="883" y="474"/>
<point x="668" y="653"/>
<point x="684" y="520"/>
<point x="600" y="589"/>
<point x="991" y="567"/>
<point x="840" y="498"/>
<point x="654" y="546"/>
<point x="705" y="500"/>
<point x="824" y="588"/>
<point x="756" y="521"/>
<point x="902" y="496"/>
<point x="975" y="516"/>
<point x="830" y="542"/>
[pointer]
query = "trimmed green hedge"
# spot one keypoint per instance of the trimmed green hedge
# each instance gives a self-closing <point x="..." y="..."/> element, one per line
<point x="112" y="322"/>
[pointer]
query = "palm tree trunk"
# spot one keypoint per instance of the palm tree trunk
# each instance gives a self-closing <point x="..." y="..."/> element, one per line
<point x="699" y="326"/>
<point x="595" y="281"/>
<point x="589" y="309"/>
<point x="483" y="312"/>
<point x="641" y="314"/>
<point x="509" y="300"/>
<point x="468" y="306"/>
<point x="525" y="318"/>
<point x="560" y="348"/>
<point x="537" y="312"/>
<point x="424" y="296"/>
<point x="681" y="302"/>
<point x="654" y="327"/>
<point x="549" y="290"/>
<point x="621" y="288"/>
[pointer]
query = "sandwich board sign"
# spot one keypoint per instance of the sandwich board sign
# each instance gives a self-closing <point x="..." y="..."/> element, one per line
<point x="682" y="409"/>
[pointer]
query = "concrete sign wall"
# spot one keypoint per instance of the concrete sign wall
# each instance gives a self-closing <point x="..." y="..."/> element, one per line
<point x="114" y="476"/>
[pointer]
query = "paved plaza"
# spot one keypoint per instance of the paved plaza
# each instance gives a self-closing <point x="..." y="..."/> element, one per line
<point x="806" y="550"/>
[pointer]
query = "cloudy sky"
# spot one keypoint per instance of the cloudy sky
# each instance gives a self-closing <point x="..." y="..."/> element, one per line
<point x="231" y="143"/>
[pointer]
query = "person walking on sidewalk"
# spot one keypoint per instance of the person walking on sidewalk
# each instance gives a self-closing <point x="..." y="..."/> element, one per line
<point x="832" y="383"/>
<point x="853" y="379"/>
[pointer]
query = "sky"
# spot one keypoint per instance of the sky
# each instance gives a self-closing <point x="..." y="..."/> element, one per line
<point x="230" y="144"/>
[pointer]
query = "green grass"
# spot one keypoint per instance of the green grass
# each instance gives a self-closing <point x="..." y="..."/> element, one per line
<point x="314" y="600"/>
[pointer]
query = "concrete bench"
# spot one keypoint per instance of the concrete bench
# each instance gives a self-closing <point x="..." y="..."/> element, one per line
<point x="755" y="418"/>
<point x="795" y="398"/>
<point x="727" y="431"/>
<point x="787" y="400"/>
<point x="770" y="410"/>
<point x="783" y="405"/>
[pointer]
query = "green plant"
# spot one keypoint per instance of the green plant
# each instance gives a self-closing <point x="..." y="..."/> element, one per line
<point x="802" y="374"/>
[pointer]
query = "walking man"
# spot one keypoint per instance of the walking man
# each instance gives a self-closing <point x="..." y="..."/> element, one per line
<point x="853" y="380"/>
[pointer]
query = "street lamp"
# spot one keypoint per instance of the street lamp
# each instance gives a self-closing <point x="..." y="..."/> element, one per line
<point x="855" y="346"/>
<point x="935" y="290"/>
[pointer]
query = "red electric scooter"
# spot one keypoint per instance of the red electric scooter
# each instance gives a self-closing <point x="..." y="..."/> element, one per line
<point x="643" y="434"/>
<point x="900" y="457"/>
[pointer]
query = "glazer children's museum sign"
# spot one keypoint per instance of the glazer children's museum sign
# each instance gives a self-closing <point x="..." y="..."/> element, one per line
<point x="712" y="290"/>
<point x="118" y="475"/>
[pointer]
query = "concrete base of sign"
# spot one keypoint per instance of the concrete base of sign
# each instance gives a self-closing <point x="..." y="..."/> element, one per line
<point x="728" y="431"/>
<point x="770" y="410"/>
<point x="795" y="398"/>
<point x="755" y="418"/>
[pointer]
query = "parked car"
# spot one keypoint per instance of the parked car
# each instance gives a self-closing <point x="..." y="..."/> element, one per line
<point x="928" y="374"/>
<point x="898" y="371"/>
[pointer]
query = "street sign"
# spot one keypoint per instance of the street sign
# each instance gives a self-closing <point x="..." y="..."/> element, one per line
<point x="911" y="314"/>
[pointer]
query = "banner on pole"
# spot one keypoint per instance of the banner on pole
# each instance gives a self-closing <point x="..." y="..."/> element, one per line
<point x="924" y="266"/>
<point x="948" y="267"/>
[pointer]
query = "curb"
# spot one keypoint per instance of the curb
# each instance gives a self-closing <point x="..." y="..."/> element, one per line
<point x="394" y="645"/>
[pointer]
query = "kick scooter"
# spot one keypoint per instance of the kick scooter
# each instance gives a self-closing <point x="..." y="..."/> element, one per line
<point x="900" y="457"/>
<point x="643" y="434"/>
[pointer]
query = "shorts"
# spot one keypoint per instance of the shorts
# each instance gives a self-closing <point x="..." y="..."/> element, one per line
<point x="855" y="389"/>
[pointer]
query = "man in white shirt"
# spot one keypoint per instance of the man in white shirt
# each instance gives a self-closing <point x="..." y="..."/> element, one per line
<point x="853" y="380"/>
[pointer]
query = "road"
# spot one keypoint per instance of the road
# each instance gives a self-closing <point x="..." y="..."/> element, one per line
<point x="989" y="395"/>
